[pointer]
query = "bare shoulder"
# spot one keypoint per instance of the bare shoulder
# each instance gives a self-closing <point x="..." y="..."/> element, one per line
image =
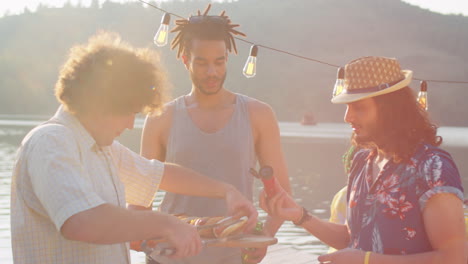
<point x="260" y="111"/>
<point x="157" y="126"/>
<point x="162" y="118"/>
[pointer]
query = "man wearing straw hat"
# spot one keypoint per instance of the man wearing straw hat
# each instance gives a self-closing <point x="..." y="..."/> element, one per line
<point x="405" y="194"/>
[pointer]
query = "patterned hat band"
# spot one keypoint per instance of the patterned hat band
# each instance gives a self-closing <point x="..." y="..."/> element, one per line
<point x="368" y="77"/>
<point x="372" y="89"/>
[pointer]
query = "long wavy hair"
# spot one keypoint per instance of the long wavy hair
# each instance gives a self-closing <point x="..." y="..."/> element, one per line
<point x="401" y="126"/>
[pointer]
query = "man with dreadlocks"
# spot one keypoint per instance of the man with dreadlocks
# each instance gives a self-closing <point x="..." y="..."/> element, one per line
<point x="405" y="197"/>
<point x="214" y="131"/>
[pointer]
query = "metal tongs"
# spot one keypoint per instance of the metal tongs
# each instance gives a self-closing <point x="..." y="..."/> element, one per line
<point x="167" y="251"/>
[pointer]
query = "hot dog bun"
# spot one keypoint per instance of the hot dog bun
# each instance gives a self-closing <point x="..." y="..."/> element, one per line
<point x="230" y="230"/>
<point x="223" y="230"/>
<point x="208" y="233"/>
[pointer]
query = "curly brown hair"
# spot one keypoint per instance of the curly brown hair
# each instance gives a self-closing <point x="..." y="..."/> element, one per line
<point x="109" y="74"/>
<point x="402" y="125"/>
<point x="204" y="27"/>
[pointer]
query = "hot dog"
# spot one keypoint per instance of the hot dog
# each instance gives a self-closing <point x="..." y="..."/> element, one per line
<point x="233" y="229"/>
<point x="224" y="229"/>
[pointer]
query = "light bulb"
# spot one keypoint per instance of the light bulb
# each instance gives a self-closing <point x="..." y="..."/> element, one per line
<point x="339" y="85"/>
<point x="422" y="96"/>
<point x="250" y="67"/>
<point x="160" y="39"/>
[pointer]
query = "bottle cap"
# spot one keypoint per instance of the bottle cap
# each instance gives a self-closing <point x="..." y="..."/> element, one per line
<point x="266" y="172"/>
<point x="423" y="86"/>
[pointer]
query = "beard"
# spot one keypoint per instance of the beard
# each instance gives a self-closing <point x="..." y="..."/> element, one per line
<point x="200" y="84"/>
<point x="362" y="142"/>
<point x="373" y="138"/>
<point x="363" y="139"/>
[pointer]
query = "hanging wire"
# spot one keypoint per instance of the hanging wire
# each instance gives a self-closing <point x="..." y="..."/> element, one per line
<point x="300" y="56"/>
<point x="289" y="53"/>
<point x="440" y="81"/>
<point x="252" y="43"/>
<point x="160" y="9"/>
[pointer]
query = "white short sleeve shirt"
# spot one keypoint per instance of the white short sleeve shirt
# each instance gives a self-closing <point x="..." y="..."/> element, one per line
<point x="59" y="172"/>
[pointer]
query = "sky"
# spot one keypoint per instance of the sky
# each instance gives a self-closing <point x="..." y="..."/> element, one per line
<point x="440" y="6"/>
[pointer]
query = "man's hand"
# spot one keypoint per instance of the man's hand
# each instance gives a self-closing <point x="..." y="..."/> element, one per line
<point x="183" y="238"/>
<point x="239" y="206"/>
<point x="281" y="205"/>
<point x="253" y="255"/>
<point x="180" y="237"/>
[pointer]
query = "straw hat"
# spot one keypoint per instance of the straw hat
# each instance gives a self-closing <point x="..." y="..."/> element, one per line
<point x="371" y="76"/>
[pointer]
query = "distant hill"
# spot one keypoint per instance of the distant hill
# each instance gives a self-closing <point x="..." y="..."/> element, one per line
<point x="34" y="45"/>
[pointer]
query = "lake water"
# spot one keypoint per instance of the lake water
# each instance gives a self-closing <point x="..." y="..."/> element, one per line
<point x="313" y="155"/>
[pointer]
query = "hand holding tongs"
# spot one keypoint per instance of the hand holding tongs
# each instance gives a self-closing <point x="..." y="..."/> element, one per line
<point x="167" y="251"/>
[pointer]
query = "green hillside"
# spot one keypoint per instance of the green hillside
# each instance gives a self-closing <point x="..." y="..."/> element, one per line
<point x="34" y="45"/>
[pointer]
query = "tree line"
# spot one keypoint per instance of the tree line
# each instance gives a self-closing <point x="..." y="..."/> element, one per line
<point x="33" y="45"/>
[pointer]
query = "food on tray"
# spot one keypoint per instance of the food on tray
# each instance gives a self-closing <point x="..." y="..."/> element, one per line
<point x="217" y="226"/>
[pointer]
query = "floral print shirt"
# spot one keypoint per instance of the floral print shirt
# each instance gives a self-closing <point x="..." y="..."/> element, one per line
<point x="386" y="217"/>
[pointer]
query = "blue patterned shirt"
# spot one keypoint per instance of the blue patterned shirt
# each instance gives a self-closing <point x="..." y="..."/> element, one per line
<point x="387" y="217"/>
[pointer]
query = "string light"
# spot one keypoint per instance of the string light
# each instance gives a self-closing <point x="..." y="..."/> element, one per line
<point x="160" y="39"/>
<point x="422" y="95"/>
<point x="339" y="85"/>
<point x="300" y="56"/>
<point x="250" y="67"/>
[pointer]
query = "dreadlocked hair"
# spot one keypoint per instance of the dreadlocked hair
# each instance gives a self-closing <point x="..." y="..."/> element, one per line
<point x="204" y="27"/>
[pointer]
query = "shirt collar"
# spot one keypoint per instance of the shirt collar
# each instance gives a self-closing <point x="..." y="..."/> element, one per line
<point x="69" y="120"/>
<point x="371" y="155"/>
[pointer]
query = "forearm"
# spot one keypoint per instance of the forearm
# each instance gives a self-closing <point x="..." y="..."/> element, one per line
<point x="180" y="180"/>
<point x="448" y="243"/>
<point x="434" y="257"/>
<point x="271" y="225"/>
<point x="184" y="181"/>
<point x="334" y="235"/>
<point x="108" y="224"/>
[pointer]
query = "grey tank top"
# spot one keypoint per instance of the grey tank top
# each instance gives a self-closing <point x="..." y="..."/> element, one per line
<point x="225" y="155"/>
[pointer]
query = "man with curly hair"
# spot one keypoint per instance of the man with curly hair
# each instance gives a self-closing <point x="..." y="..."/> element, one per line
<point x="71" y="181"/>
<point x="405" y="197"/>
<point x="213" y="130"/>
